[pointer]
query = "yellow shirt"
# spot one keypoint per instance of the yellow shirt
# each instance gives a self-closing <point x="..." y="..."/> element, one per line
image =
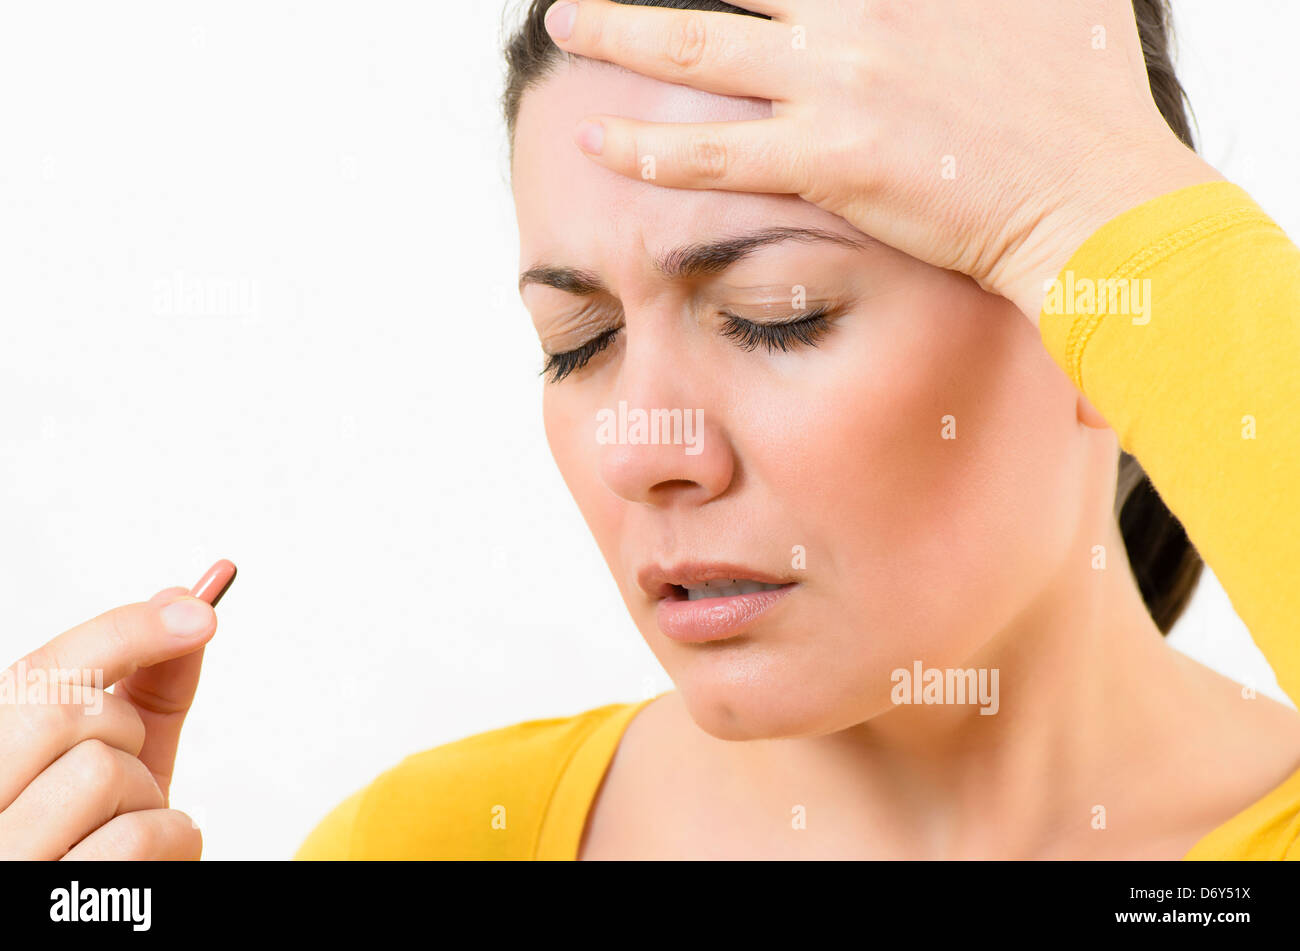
<point x="1203" y="388"/>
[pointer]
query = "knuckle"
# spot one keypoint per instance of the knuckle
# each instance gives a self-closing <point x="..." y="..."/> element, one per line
<point x="688" y="41"/>
<point x="708" y="156"/>
<point x="121" y="717"/>
<point x="96" y="766"/>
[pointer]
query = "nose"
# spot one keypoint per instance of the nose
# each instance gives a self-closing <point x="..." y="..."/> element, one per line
<point x="659" y="442"/>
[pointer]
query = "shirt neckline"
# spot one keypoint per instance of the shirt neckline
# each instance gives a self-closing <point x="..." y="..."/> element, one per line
<point x="566" y="816"/>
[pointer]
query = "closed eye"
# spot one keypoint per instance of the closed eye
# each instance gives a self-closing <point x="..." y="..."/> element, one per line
<point x="799" y="330"/>
<point x="560" y="365"/>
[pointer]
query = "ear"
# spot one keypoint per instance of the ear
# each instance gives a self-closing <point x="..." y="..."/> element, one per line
<point x="1089" y="416"/>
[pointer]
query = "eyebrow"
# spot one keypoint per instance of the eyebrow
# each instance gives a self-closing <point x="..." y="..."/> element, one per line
<point x="691" y="260"/>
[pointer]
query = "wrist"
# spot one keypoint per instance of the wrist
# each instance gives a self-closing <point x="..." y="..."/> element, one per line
<point x="1124" y="178"/>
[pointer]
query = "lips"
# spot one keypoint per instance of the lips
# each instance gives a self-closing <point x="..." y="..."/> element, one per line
<point x="726" y="588"/>
<point x="659" y="581"/>
<point x="710" y="601"/>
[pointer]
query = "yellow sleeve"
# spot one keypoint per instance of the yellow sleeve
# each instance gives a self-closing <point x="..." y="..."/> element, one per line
<point x="519" y="792"/>
<point x="1180" y="321"/>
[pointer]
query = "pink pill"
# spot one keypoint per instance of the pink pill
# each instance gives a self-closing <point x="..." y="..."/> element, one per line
<point x="214" y="583"/>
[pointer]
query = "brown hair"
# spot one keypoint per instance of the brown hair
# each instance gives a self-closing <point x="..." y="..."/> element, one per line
<point x="1165" y="564"/>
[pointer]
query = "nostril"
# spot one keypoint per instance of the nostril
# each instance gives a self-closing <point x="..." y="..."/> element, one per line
<point x="670" y="484"/>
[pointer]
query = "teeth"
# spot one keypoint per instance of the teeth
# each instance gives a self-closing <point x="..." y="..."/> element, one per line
<point x="725" y="588"/>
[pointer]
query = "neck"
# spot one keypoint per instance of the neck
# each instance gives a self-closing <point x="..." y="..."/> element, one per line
<point x="1086" y="685"/>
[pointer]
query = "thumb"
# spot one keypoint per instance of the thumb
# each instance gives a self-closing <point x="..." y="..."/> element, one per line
<point x="162" y="694"/>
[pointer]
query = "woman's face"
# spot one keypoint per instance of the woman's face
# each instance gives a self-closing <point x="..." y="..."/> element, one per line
<point x="915" y="545"/>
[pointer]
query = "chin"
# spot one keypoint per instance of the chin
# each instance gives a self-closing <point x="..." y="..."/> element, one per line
<point x="744" y="696"/>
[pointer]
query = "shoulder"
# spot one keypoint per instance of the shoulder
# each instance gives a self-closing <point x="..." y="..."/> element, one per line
<point x="481" y="797"/>
<point x="1268" y="829"/>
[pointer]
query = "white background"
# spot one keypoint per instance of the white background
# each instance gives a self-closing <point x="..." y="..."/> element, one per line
<point x="356" y="422"/>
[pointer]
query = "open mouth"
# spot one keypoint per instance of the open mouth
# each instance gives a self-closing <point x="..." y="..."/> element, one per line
<point x="716" y="609"/>
<point x="720" y="588"/>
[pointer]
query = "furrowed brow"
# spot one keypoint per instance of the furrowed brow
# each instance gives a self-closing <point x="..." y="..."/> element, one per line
<point x="692" y="260"/>
<point x="716" y="256"/>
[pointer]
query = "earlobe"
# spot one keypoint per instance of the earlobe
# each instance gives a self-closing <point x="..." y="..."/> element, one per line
<point x="1089" y="416"/>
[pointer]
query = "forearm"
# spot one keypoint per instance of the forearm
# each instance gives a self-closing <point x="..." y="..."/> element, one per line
<point x="1200" y="377"/>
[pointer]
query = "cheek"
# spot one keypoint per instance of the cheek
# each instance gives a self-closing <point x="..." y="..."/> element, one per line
<point x="570" y="423"/>
<point x="917" y="535"/>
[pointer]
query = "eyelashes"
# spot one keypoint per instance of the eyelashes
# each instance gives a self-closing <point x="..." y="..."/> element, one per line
<point x="801" y="331"/>
<point x="560" y="365"/>
<point x="804" y="330"/>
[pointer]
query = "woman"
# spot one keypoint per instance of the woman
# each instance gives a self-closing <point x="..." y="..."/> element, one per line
<point x="870" y="528"/>
<point x="889" y="460"/>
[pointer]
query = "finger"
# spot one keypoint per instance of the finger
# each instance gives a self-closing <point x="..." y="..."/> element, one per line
<point x="723" y="53"/>
<point x="162" y="693"/>
<point x="169" y="594"/>
<point x="124" y="639"/>
<point x="76" y="794"/>
<point x="35" y="734"/>
<point x="161" y="696"/>
<point x="750" y="155"/>
<point x="150" y="834"/>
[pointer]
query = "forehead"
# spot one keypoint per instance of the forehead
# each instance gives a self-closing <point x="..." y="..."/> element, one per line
<point x="572" y="211"/>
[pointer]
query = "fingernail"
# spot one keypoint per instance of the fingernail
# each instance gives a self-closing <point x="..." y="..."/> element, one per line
<point x="559" y="20"/>
<point x="187" y="617"/>
<point x="590" y="136"/>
